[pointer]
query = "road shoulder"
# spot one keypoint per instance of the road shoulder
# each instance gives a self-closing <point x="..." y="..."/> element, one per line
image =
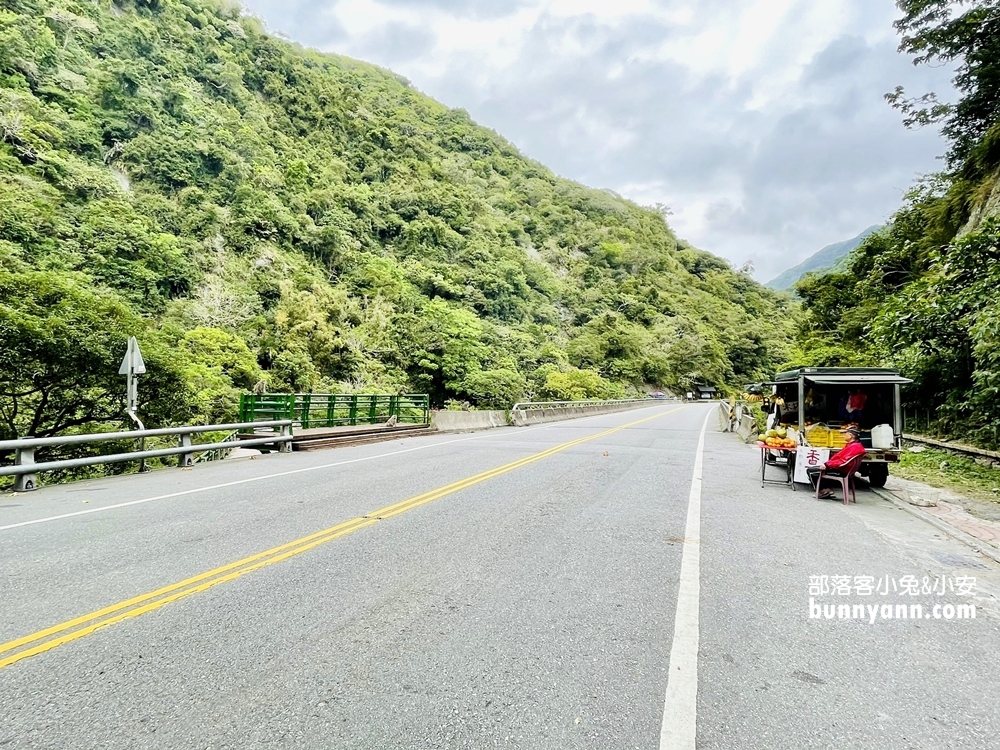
<point x="981" y="534"/>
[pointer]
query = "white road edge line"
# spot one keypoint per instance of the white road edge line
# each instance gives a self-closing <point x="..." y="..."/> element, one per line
<point x="209" y="488"/>
<point x="680" y="707"/>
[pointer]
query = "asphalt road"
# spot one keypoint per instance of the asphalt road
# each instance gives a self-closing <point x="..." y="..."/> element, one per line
<point x="508" y="589"/>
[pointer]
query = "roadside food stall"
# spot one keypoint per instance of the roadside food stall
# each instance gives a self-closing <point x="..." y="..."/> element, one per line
<point x="812" y="404"/>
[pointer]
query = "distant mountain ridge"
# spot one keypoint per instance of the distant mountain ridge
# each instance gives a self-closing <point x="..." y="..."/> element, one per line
<point x="827" y="259"/>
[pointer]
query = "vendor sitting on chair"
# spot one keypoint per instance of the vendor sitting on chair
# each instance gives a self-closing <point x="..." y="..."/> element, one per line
<point x="838" y="460"/>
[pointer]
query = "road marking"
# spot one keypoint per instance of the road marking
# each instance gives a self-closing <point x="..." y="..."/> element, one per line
<point x="290" y="472"/>
<point x="680" y="706"/>
<point x="78" y="627"/>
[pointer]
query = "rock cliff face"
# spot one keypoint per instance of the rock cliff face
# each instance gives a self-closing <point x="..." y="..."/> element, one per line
<point x="986" y="206"/>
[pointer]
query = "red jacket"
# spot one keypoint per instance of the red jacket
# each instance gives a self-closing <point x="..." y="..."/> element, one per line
<point x="845" y="454"/>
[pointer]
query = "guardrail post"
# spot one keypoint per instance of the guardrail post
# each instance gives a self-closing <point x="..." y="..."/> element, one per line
<point x="185" y="459"/>
<point x="286" y="446"/>
<point x="306" y="407"/>
<point x="25" y="482"/>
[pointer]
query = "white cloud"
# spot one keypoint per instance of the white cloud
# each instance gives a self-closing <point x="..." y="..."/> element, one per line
<point x="760" y="122"/>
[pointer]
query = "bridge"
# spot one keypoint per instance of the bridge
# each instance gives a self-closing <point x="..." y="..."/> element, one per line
<point x="618" y="580"/>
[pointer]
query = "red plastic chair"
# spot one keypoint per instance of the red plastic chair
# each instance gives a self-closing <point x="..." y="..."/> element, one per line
<point x="845" y="475"/>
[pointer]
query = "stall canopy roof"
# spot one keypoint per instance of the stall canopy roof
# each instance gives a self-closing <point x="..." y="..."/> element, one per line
<point x="849" y="380"/>
<point x="842" y="376"/>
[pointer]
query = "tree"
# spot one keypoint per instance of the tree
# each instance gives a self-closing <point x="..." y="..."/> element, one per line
<point x="443" y="347"/>
<point x="217" y="366"/>
<point x="967" y="31"/>
<point x="576" y="385"/>
<point x="494" y="389"/>
<point x="63" y="344"/>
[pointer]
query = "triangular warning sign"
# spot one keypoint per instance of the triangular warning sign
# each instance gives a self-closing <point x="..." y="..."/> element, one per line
<point x="133" y="359"/>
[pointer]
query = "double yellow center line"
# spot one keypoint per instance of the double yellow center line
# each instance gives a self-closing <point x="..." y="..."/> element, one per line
<point x="71" y="630"/>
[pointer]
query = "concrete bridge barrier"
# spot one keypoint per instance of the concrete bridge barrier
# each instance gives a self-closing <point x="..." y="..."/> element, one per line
<point x="537" y="413"/>
<point x="738" y="419"/>
<point x="533" y="413"/>
<point x="461" y="421"/>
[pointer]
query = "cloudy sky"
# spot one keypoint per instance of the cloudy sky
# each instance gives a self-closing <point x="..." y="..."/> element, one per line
<point x="760" y="123"/>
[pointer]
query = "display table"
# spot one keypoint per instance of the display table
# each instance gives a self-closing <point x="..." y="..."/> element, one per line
<point x="784" y="458"/>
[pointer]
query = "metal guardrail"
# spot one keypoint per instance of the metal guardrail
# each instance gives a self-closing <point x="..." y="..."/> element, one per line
<point x="218" y="454"/>
<point x="26" y="470"/>
<point x="970" y="450"/>
<point x="309" y="410"/>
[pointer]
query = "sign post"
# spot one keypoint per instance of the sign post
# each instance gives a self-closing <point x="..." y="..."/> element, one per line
<point x="133" y="365"/>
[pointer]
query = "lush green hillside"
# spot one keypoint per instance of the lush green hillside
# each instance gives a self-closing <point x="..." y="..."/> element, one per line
<point x="830" y="258"/>
<point x="922" y="293"/>
<point x="252" y="210"/>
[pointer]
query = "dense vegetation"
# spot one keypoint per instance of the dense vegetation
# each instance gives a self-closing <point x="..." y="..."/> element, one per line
<point x="922" y="293"/>
<point x="252" y="210"/>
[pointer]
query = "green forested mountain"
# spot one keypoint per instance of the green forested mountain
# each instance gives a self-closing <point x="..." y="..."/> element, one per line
<point x="830" y="258"/>
<point x="922" y="293"/>
<point x="252" y="210"/>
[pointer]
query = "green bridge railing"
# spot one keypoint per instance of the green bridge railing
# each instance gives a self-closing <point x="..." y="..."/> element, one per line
<point x="334" y="410"/>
